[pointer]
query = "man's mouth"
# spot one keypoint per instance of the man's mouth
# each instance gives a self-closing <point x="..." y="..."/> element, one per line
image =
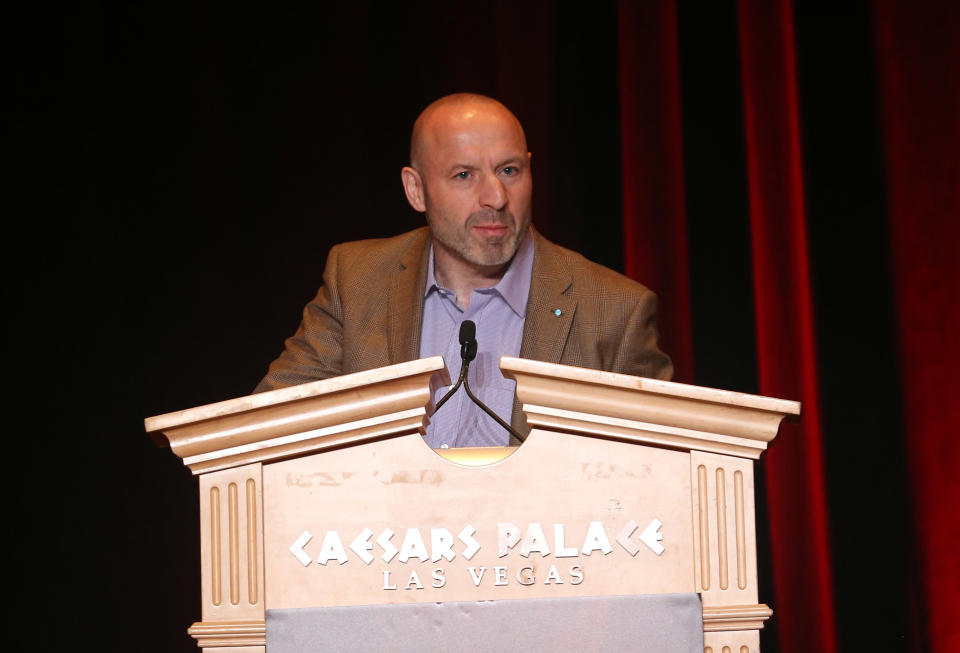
<point x="491" y="229"/>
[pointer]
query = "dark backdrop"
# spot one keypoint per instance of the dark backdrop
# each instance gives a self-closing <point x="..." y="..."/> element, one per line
<point x="179" y="171"/>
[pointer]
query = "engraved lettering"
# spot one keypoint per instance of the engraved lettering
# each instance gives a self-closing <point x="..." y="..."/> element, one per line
<point x="507" y="537"/>
<point x="596" y="540"/>
<point x="332" y="548"/>
<point x="386" y="580"/>
<point x="534" y="541"/>
<point x="297" y="548"/>
<point x="441" y="544"/>
<point x="526" y="576"/>
<point x="413" y="547"/>
<point x="576" y="575"/>
<point x="554" y="575"/>
<point x="361" y="544"/>
<point x="623" y="539"/>
<point x="476" y="577"/>
<point x="561" y="550"/>
<point x="414" y="581"/>
<point x="388" y="549"/>
<point x="466" y="536"/>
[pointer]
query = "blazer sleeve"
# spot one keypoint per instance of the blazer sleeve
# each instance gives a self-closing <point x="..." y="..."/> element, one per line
<point x="639" y="351"/>
<point x="315" y="351"/>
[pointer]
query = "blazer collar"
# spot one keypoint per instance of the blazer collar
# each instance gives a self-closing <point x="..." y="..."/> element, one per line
<point x="406" y="299"/>
<point x="550" y="309"/>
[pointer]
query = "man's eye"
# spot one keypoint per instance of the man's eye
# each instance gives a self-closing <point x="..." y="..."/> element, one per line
<point x="509" y="170"/>
<point x="462" y="175"/>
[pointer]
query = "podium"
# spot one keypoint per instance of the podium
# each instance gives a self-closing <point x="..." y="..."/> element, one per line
<point x="324" y="495"/>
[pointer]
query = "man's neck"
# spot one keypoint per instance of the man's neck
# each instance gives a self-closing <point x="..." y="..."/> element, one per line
<point x="463" y="277"/>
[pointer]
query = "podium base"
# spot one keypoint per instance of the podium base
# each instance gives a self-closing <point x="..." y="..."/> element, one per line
<point x="656" y="623"/>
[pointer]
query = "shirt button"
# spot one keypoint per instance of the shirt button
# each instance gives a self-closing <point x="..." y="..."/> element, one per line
<point x="444" y="446"/>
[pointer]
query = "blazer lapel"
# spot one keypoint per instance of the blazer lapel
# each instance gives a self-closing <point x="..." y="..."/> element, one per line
<point x="550" y="313"/>
<point x="406" y="301"/>
<point x="550" y="309"/>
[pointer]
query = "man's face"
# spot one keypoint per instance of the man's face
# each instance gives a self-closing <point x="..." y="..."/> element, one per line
<point x="477" y="183"/>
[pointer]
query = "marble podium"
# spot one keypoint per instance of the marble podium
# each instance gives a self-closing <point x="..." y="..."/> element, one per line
<point x="324" y="495"/>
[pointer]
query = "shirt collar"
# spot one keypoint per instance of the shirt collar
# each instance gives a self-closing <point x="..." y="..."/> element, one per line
<point x="514" y="287"/>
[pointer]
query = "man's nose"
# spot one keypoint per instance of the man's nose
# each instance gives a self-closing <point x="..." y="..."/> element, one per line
<point x="492" y="192"/>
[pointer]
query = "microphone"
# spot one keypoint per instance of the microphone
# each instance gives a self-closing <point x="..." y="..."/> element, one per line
<point x="468" y="351"/>
<point x="468" y="340"/>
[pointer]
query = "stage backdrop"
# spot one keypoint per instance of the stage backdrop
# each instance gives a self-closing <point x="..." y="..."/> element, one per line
<point x="785" y="177"/>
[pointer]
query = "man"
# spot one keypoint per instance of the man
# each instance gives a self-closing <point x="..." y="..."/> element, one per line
<point x="393" y="300"/>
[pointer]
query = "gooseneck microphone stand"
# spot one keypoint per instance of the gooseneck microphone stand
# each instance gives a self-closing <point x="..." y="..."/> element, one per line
<point x="468" y="351"/>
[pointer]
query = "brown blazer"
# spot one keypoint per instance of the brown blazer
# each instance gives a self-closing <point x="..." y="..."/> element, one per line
<point x="369" y="310"/>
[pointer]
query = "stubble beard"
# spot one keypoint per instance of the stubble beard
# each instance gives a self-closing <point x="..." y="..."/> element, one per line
<point x="476" y="249"/>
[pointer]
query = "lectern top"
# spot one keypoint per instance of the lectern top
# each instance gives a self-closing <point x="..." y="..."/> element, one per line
<point x="653" y="386"/>
<point x="620" y="406"/>
<point x="311" y="417"/>
<point x="293" y="393"/>
<point x="394" y="400"/>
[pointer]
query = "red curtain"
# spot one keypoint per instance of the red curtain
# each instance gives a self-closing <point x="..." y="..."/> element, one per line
<point x="918" y="59"/>
<point x="655" y="235"/>
<point x="655" y="241"/>
<point x="786" y="347"/>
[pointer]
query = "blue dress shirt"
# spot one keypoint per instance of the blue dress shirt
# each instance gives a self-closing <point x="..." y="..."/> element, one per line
<point x="499" y="315"/>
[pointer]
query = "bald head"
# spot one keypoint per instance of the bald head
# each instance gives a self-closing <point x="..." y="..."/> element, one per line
<point x="454" y="113"/>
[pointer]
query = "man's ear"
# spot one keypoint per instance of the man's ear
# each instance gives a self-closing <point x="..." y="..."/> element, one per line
<point x="413" y="187"/>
